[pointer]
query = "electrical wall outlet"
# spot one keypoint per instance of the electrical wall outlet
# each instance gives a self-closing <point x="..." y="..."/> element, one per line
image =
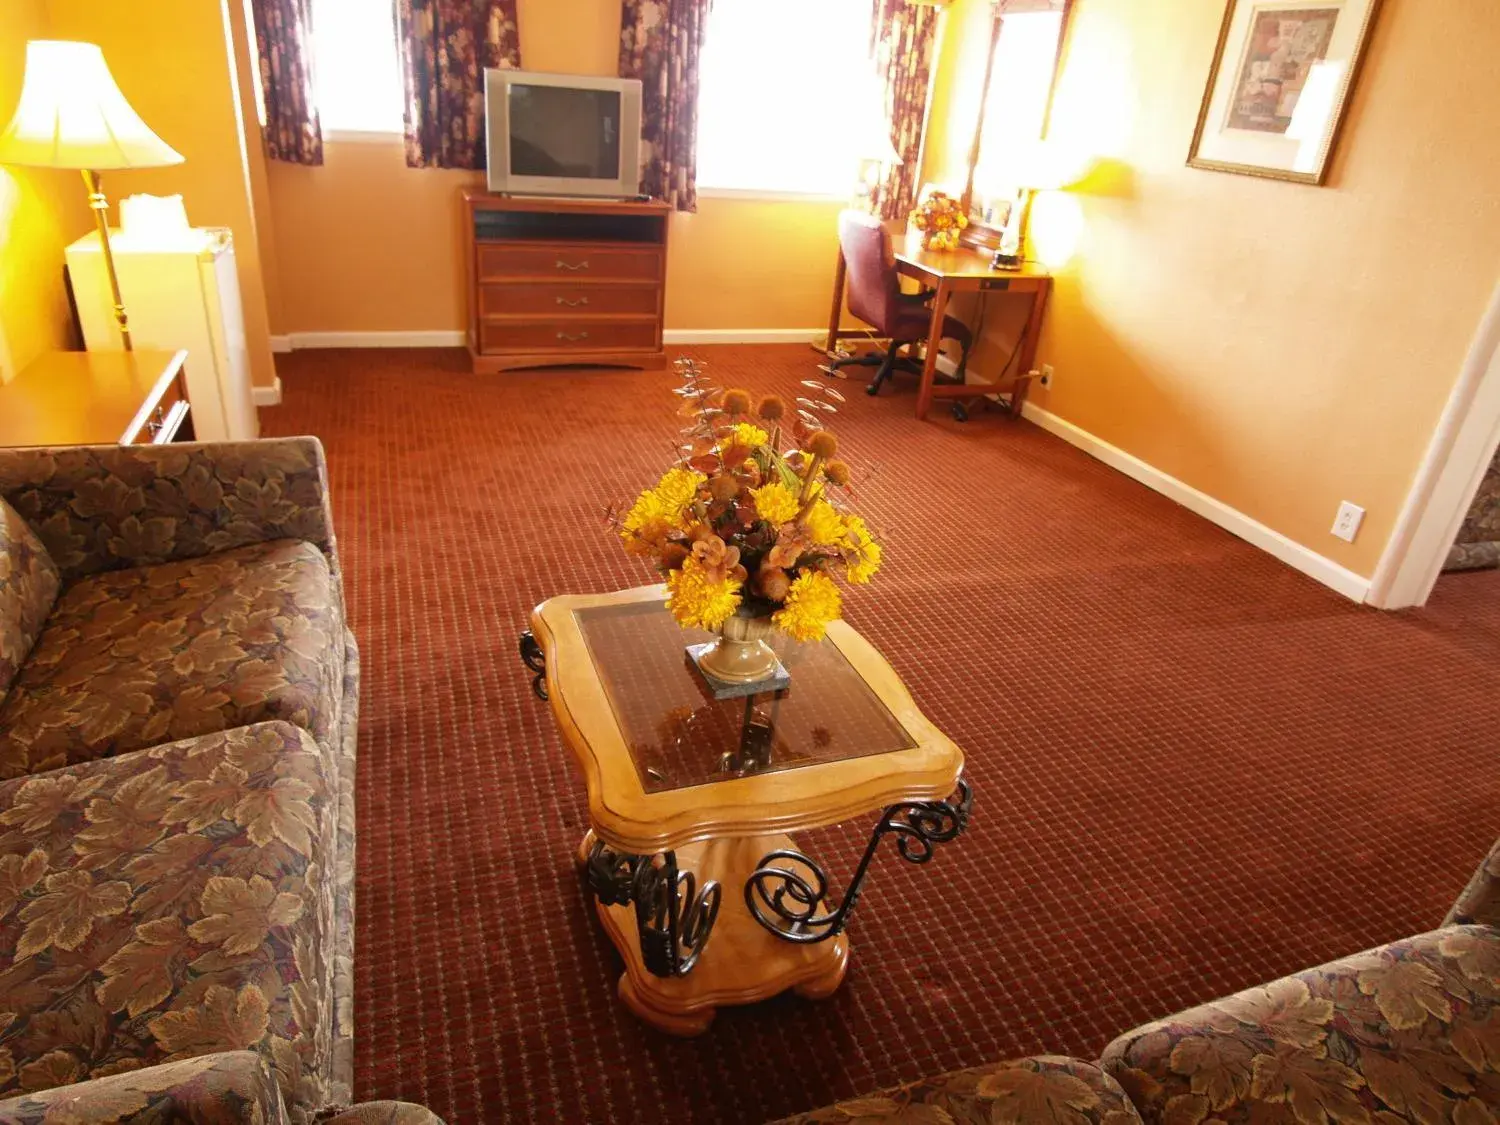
<point x="1346" y="523"/>
<point x="1048" y="376"/>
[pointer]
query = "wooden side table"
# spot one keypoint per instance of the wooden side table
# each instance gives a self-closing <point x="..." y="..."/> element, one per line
<point x="97" y="398"/>
<point x="692" y="800"/>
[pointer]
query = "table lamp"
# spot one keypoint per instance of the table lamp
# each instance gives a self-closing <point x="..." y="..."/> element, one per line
<point x="873" y="146"/>
<point x="1030" y="169"/>
<point x="72" y="115"/>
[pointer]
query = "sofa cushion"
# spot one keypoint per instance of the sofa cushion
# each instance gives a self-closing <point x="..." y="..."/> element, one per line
<point x="1406" y="1032"/>
<point x="1035" y="1091"/>
<point x="28" y="587"/>
<point x="170" y="903"/>
<point x="131" y="658"/>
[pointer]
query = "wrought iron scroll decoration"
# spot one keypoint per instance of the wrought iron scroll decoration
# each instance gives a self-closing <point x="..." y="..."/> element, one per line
<point x="792" y="901"/>
<point x="535" y="659"/>
<point x="673" y="917"/>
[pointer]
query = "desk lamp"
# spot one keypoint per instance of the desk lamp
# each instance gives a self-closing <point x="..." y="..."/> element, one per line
<point x="1033" y="168"/>
<point x="72" y="115"/>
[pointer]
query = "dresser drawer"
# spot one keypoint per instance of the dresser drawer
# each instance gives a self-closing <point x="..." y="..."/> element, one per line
<point x="543" y="298"/>
<point x="567" y="336"/>
<point x="508" y="261"/>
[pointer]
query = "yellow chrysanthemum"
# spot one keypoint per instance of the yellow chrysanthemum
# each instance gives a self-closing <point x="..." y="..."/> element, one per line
<point x="646" y="527"/>
<point x="697" y="601"/>
<point x="776" y="503"/>
<point x="862" y="543"/>
<point x="677" y="488"/>
<point x="824" y="525"/>
<point x="748" y="435"/>
<point x="811" y="603"/>
<point x="659" y="511"/>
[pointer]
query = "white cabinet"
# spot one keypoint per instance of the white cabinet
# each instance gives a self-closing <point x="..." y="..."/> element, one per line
<point x="181" y="294"/>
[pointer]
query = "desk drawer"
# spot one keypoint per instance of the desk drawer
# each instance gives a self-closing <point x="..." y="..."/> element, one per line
<point x="163" y="421"/>
<point x="507" y="261"/>
<point x="567" y="336"/>
<point x="544" y="298"/>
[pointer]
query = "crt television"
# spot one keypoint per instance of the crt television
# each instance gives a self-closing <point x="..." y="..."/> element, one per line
<point x="562" y="134"/>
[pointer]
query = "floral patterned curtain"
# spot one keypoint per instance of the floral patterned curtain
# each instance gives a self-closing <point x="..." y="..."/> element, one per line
<point x="660" y="43"/>
<point x="283" y="40"/>
<point x="445" y="46"/>
<point x="901" y="42"/>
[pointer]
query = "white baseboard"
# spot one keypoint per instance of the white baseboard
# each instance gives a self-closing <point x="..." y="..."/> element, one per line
<point x="1257" y="534"/>
<point x="741" y="335"/>
<point x="267" y="396"/>
<point x="454" y="338"/>
<point x="434" y="338"/>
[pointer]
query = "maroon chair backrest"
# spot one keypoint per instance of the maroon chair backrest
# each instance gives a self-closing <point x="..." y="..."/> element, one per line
<point x="873" y="284"/>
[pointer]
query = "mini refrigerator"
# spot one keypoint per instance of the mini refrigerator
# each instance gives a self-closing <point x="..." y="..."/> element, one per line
<point x="180" y="291"/>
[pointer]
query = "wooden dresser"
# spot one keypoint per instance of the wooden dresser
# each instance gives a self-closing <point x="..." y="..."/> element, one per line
<point x="97" y="398"/>
<point x="564" y="281"/>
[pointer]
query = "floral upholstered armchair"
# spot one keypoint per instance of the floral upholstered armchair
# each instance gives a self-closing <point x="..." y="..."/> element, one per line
<point x="1407" y="1032"/>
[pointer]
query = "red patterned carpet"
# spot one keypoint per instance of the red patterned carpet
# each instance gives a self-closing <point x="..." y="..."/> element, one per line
<point x="1195" y="769"/>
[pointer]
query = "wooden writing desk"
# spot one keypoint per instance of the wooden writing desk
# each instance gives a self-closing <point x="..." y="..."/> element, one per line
<point x="949" y="272"/>
<point x="97" y="398"/>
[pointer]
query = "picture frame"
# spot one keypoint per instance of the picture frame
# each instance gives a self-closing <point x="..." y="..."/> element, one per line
<point x="1279" y="87"/>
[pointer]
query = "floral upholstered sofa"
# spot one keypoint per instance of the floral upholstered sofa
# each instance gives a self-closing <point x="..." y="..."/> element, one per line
<point x="178" y="704"/>
<point x="1407" y="1032"/>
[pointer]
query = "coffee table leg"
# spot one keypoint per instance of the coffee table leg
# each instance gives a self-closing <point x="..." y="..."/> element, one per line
<point x="535" y="659"/>
<point x="791" y="900"/>
<point x="673" y="917"/>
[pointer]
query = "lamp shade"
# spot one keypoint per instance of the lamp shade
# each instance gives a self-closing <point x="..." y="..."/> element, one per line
<point x="72" y="115"/>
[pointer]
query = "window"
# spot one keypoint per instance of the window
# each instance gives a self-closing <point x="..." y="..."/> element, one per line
<point x="355" y="66"/>
<point x="783" y="87"/>
<point x="1015" y="107"/>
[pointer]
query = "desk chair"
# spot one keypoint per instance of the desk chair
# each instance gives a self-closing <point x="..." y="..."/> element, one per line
<point x="875" y="297"/>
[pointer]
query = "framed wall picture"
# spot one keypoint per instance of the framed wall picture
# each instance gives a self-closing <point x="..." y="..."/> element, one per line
<point x="1280" y="86"/>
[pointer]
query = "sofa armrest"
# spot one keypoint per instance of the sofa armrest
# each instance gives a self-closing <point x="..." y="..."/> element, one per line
<point x="385" y="1113"/>
<point x="106" y="507"/>
<point x="1039" y="1090"/>
<point x="231" y="1086"/>
<point x="1480" y="901"/>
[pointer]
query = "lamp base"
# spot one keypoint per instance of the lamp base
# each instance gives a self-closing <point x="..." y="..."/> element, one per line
<point x="100" y="205"/>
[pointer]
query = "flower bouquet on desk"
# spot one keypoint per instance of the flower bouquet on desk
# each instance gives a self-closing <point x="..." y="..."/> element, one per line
<point x="940" y="218"/>
<point x="748" y="531"/>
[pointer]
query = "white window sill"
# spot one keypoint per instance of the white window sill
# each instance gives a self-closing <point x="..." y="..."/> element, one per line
<point x="363" y="136"/>
<point x="708" y="192"/>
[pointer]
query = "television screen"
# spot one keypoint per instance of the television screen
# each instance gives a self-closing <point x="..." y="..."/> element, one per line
<point x="564" y="131"/>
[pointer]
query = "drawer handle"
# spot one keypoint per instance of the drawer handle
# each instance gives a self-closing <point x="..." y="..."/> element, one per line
<point x="572" y="338"/>
<point x="583" y="265"/>
<point x="573" y="304"/>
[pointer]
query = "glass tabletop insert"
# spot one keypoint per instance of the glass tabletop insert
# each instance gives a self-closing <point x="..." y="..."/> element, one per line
<point x="680" y="736"/>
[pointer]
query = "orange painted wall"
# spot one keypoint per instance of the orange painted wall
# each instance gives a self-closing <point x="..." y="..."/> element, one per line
<point x="1279" y="347"/>
<point x="365" y="244"/>
<point x="173" y="61"/>
<point x="34" y="209"/>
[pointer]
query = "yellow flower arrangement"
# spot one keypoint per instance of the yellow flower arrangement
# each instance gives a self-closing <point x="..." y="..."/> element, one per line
<point x="748" y="521"/>
<point x="941" y="220"/>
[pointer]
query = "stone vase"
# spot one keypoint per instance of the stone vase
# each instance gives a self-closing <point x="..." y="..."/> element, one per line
<point x="741" y="655"/>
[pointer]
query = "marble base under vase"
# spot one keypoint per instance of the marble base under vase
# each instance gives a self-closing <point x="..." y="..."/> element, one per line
<point x="778" y="680"/>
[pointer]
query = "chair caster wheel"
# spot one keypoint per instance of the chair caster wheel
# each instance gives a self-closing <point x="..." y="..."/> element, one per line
<point x="960" y="412"/>
<point x="873" y="389"/>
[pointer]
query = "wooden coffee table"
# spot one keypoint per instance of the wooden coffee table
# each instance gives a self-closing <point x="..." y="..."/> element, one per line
<point x="691" y="799"/>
